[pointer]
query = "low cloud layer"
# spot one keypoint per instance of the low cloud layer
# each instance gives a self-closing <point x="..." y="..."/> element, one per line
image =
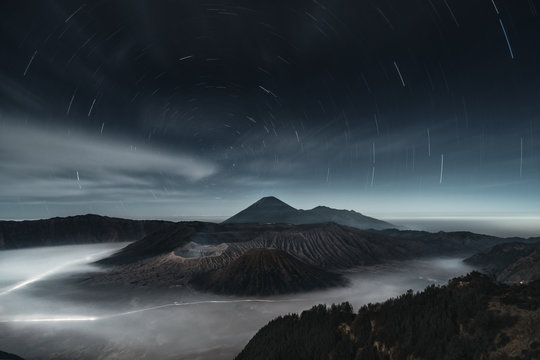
<point x="176" y="323"/>
<point x="40" y="164"/>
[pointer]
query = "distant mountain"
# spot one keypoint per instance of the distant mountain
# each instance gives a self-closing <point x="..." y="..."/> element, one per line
<point x="513" y="262"/>
<point x="81" y="229"/>
<point x="174" y="254"/>
<point x="448" y="242"/>
<point x="272" y="210"/>
<point x="266" y="272"/>
<point x="8" y="356"/>
<point x="470" y="318"/>
<point x="266" y="210"/>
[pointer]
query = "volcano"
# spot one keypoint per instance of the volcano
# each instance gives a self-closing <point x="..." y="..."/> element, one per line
<point x="265" y="272"/>
<point x="272" y="210"/>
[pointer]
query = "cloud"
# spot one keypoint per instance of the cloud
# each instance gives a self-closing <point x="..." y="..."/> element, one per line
<point x="38" y="164"/>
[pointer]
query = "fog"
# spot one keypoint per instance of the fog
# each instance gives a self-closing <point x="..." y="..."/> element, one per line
<point x="58" y="316"/>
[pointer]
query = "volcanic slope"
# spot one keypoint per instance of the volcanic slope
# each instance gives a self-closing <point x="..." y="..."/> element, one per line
<point x="266" y="272"/>
<point x="171" y="256"/>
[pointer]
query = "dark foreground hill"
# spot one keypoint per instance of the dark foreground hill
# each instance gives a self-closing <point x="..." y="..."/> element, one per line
<point x="8" y="356"/>
<point x="81" y="229"/>
<point x="272" y="210"/>
<point x="470" y="318"/>
<point x="513" y="262"/>
<point x="266" y="272"/>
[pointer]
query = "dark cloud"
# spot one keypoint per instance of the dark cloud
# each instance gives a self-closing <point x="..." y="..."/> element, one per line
<point x="267" y="98"/>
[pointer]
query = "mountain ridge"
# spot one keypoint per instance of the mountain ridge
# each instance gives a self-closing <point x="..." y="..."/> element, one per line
<point x="511" y="263"/>
<point x="270" y="209"/>
<point x="78" y="229"/>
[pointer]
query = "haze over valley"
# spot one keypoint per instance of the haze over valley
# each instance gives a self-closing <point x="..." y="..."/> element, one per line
<point x="271" y="179"/>
<point x="58" y="317"/>
<point x="197" y="290"/>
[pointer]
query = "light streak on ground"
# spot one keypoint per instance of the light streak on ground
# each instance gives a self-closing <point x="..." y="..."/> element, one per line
<point x="82" y="318"/>
<point x="49" y="319"/>
<point x="56" y="269"/>
<point x="199" y="303"/>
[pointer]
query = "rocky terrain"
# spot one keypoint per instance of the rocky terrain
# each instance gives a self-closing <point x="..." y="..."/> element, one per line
<point x="172" y="255"/>
<point x="81" y="229"/>
<point x="265" y="272"/>
<point x="272" y="210"/>
<point x="512" y="263"/>
<point x="326" y="245"/>
<point x="472" y="317"/>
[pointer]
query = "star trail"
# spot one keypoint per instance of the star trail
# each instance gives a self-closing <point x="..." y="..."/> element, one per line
<point x="174" y="109"/>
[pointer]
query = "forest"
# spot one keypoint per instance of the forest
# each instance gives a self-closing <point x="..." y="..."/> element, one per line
<point x="472" y="317"/>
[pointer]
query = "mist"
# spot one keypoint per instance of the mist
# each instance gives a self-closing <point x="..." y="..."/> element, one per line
<point x="59" y="316"/>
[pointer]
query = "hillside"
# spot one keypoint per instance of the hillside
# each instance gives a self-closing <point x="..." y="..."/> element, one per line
<point x="266" y="272"/>
<point x="510" y="263"/>
<point x="272" y="210"/>
<point x="81" y="229"/>
<point x="470" y="318"/>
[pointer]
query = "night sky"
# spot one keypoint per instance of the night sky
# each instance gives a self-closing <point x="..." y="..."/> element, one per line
<point x="195" y="109"/>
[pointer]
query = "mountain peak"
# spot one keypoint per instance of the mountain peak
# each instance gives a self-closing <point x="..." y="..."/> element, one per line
<point x="322" y="207"/>
<point x="271" y="202"/>
<point x="266" y="210"/>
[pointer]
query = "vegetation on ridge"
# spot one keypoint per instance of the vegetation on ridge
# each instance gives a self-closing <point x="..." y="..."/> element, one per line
<point x="470" y="318"/>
